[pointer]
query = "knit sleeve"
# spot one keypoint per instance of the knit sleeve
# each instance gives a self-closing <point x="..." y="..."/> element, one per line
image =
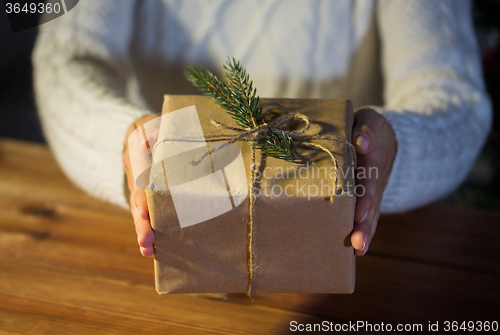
<point x="434" y="98"/>
<point x="80" y="70"/>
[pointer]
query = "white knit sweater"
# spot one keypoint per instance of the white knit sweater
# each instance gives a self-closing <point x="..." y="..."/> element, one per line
<point x="109" y="62"/>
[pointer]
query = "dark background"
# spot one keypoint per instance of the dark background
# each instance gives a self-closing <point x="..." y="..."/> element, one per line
<point x="18" y="116"/>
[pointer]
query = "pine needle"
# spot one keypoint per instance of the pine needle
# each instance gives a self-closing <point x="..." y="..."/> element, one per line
<point x="240" y="100"/>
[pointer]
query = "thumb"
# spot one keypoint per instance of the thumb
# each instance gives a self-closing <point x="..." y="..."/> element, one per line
<point x="141" y="204"/>
<point x="363" y="134"/>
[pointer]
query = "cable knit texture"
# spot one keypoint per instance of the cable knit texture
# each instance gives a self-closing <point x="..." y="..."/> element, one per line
<point x="109" y="62"/>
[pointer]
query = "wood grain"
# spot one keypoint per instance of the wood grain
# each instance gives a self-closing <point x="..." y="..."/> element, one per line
<point x="69" y="264"/>
<point x="460" y="238"/>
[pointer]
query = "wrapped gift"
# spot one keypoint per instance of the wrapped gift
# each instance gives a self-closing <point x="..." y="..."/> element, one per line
<point x="232" y="220"/>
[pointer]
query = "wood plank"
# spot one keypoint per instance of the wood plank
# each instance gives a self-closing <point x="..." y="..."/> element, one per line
<point x="399" y="288"/>
<point x="391" y="290"/>
<point x="99" y="298"/>
<point x="29" y="171"/>
<point x="23" y="317"/>
<point x="79" y="240"/>
<point x="23" y="313"/>
<point x="67" y="245"/>
<point x="462" y="238"/>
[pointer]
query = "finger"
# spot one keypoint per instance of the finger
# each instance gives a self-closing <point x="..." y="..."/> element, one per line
<point x="371" y="225"/>
<point x="140" y="140"/>
<point x="366" y="126"/>
<point x="363" y="138"/>
<point x="139" y="160"/>
<point x="366" y="191"/>
<point x="359" y="236"/>
<point x="147" y="252"/>
<point x="142" y="204"/>
<point x="363" y="232"/>
<point x="145" y="235"/>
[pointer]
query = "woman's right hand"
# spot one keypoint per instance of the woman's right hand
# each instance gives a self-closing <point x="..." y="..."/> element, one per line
<point x="138" y="146"/>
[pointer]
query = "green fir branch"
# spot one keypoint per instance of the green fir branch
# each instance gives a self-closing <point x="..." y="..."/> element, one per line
<point x="277" y="147"/>
<point x="239" y="98"/>
<point x="240" y="83"/>
<point x="208" y="84"/>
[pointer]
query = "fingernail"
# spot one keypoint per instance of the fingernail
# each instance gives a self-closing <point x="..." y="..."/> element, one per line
<point x="139" y="239"/>
<point x="365" y="248"/>
<point x="364" y="217"/>
<point x="143" y="214"/>
<point x="363" y="141"/>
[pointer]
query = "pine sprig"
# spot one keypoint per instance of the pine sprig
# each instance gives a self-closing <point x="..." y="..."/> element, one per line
<point x="239" y="98"/>
<point x="210" y="85"/>
<point x="239" y="81"/>
<point x="278" y="147"/>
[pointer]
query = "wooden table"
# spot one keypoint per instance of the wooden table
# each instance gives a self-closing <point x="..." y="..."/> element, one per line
<point x="70" y="264"/>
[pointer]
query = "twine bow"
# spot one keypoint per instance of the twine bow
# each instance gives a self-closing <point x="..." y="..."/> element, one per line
<point x="278" y="125"/>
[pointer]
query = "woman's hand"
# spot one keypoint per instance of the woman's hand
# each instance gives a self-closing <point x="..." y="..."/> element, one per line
<point x="138" y="146"/>
<point x="376" y="146"/>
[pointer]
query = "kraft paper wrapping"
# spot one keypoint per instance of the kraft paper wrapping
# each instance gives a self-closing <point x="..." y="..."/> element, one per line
<point x="301" y="240"/>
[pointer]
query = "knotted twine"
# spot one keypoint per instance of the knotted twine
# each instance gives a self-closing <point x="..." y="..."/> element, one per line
<point x="278" y="125"/>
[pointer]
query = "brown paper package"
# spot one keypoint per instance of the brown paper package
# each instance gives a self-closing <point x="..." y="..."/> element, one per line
<point x="300" y="240"/>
